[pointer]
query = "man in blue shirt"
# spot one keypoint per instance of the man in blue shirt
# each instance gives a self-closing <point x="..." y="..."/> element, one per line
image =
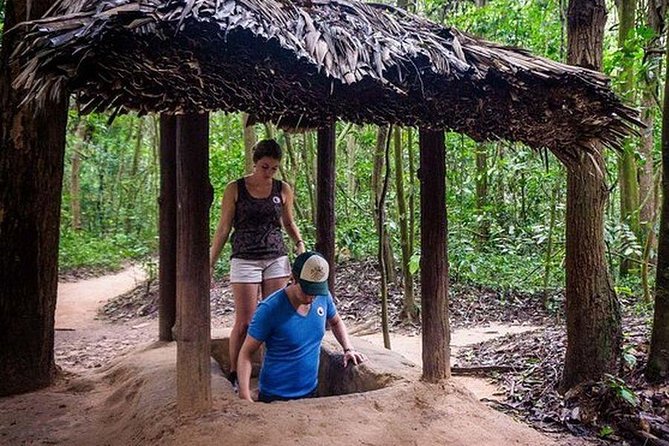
<point x="291" y="322"/>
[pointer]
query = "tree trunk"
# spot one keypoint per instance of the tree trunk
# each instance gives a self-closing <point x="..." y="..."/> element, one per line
<point x="434" y="257"/>
<point x="84" y="134"/>
<point x="291" y="176"/>
<point x="112" y="196"/>
<point x="555" y="197"/>
<point x="593" y="314"/>
<point x="269" y="130"/>
<point x="658" y="359"/>
<point x="309" y="172"/>
<point x="75" y="190"/>
<point x="249" y="133"/>
<point x="500" y="189"/>
<point x="194" y="197"/>
<point x="351" y="146"/>
<point x="167" y="269"/>
<point x="136" y="186"/>
<point x="325" y="215"/>
<point x="382" y="136"/>
<point x="482" y="192"/>
<point x="655" y="13"/>
<point x="627" y="165"/>
<point x="649" y="246"/>
<point x="412" y="191"/>
<point x="409" y="310"/>
<point x="381" y="207"/>
<point x="31" y="172"/>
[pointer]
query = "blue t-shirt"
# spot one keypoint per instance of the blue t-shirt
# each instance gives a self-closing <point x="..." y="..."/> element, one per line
<point x="292" y="343"/>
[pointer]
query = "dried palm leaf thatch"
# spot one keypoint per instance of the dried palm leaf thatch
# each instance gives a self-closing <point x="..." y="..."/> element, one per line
<point x="303" y="63"/>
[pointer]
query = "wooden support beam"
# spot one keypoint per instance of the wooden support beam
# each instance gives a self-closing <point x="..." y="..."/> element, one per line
<point x="325" y="210"/>
<point x="434" y="257"/>
<point x="194" y="196"/>
<point x="167" y="267"/>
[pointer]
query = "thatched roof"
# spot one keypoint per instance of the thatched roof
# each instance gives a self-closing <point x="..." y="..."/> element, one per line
<point x="304" y="63"/>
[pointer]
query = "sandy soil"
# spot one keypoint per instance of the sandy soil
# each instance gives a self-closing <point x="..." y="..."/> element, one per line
<point x="78" y="302"/>
<point x="130" y="400"/>
<point x="411" y="348"/>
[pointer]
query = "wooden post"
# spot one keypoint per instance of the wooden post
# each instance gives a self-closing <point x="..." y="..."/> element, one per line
<point x="434" y="257"/>
<point x="194" y="197"/>
<point x="325" y="211"/>
<point x="167" y="269"/>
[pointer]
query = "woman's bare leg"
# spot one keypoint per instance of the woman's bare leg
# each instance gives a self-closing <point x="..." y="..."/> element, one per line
<point x="246" y="299"/>
<point x="271" y="285"/>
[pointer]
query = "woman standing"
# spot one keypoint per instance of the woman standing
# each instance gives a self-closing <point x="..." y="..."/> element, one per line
<point x="255" y="206"/>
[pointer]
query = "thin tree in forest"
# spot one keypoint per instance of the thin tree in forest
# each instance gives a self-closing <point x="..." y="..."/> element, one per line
<point x="648" y="182"/>
<point x="32" y="150"/>
<point x="308" y="161"/>
<point x="382" y="247"/>
<point x="351" y="146"/>
<point x="249" y="135"/>
<point x="409" y="310"/>
<point x="500" y="186"/>
<point x="289" y="170"/>
<point x="481" y="180"/>
<point x="83" y="133"/>
<point x="137" y="187"/>
<point x="593" y="313"/>
<point x="658" y="358"/>
<point x="627" y="165"/>
<point x="655" y="12"/>
<point x="412" y="189"/>
<point x="548" y="262"/>
<point x="382" y="138"/>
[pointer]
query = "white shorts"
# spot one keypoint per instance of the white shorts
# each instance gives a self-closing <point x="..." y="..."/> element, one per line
<point x="255" y="271"/>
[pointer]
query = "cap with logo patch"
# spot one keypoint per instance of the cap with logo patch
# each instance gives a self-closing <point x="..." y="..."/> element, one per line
<point x="311" y="270"/>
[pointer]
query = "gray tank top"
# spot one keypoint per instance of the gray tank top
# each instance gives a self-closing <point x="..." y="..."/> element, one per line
<point x="257" y="224"/>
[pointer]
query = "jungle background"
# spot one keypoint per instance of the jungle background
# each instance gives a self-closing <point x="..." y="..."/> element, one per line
<point x="505" y="201"/>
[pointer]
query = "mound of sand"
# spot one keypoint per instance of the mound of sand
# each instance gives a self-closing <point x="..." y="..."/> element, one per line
<point x="132" y="402"/>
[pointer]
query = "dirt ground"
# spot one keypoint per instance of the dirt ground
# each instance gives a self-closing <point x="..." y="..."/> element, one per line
<point x="118" y="387"/>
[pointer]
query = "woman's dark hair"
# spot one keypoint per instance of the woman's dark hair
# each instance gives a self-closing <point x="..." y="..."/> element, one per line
<point x="267" y="147"/>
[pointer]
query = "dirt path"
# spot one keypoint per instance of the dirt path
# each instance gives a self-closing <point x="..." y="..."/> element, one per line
<point x="411" y="348"/>
<point x="78" y="302"/>
<point x="82" y="340"/>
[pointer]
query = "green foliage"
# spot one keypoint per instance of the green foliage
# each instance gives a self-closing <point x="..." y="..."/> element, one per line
<point x="629" y="359"/>
<point x="414" y="263"/>
<point x="629" y="58"/>
<point x="119" y="183"/>
<point x="531" y="24"/>
<point x="606" y="431"/>
<point x="622" y="390"/>
<point x="85" y="250"/>
<point x="513" y="267"/>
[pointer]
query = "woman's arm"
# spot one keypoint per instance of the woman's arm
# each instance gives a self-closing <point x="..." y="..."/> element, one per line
<point x="287" y="217"/>
<point x="224" y="225"/>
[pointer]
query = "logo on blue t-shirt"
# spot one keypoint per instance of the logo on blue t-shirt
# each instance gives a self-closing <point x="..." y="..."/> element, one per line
<point x="320" y="311"/>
